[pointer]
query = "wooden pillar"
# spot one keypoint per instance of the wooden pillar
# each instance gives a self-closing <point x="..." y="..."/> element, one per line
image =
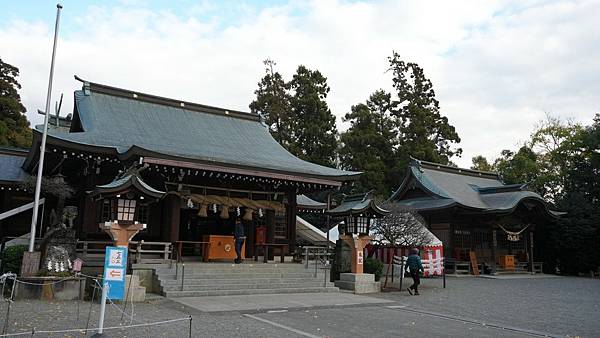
<point x="3" y="208"/>
<point x="291" y="220"/>
<point x="270" y="230"/>
<point x="250" y="237"/>
<point x="89" y="223"/>
<point x="494" y="245"/>
<point x="530" y="256"/>
<point x="172" y="217"/>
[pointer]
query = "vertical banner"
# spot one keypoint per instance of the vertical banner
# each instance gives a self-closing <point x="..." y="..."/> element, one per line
<point x="359" y="257"/>
<point x="115" y="268"/>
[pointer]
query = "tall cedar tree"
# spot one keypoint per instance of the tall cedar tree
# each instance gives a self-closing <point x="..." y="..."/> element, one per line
<point x="273" y="102"/>
<point x="368" y="145"/>
<point x="14" y="127"/>
<point x="423" y="132"/>
<point x="315" y="131"/>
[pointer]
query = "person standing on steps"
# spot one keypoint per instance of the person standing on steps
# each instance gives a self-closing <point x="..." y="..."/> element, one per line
<point x="413" y="263"/>
<point x="240" y="237"/>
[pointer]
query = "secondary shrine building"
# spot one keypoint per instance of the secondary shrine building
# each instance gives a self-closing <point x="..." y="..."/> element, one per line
<point x="186" y="167"/>
<point x="474" y="211"/>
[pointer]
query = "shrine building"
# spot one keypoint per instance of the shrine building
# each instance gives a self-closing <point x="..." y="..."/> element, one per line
<point x="474" y="212"/>
<point x="184" y="170"/>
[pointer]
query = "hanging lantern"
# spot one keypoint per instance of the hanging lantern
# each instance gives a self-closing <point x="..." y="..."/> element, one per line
<point x="202" y="211"/>
<point x="224" y="212"/>
<point x="247" y="215"/>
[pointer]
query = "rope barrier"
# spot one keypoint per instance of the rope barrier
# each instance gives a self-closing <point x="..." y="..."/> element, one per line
<point x="33" y="331"/>
<point x="169" y="321"/>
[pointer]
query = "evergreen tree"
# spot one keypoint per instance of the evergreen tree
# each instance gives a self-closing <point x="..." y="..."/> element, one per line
<point x="424" y="132"/>
<point x="368" y="145"/>
<point x="273" y="102"/>
<point x="14" y="127"/>
<point x="573" y="240"/>
<point x="481" y="163"/>
<point x="315" y="133"/>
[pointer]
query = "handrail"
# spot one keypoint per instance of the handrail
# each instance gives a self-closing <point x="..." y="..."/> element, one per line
<point x="178" y="251"/>
<point x="136" y="248"/>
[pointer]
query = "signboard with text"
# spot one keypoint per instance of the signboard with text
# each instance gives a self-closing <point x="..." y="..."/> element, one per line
<point x="115" y="268"/>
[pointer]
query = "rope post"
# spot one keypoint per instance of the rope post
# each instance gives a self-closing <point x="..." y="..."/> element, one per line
<point x="126" y="295"/>
<point x="190" y="326"/>
<point x="87" y="325"/>
<point x="6" y="318"/>
<point x="12" y="294"/>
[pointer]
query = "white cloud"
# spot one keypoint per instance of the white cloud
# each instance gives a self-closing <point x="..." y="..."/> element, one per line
<point x="496" y="67"/>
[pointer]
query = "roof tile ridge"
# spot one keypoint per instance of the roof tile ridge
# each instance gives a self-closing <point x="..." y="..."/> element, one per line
<point x="90" y="87"/>
<point x="451" y="169"/>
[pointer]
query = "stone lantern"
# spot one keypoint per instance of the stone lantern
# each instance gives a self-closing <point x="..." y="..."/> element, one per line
<point x="358" y="211"/>
<point x="121" y="205"/>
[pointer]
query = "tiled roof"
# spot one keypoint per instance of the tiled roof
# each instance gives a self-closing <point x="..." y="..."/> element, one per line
<point x="129" y="122"/>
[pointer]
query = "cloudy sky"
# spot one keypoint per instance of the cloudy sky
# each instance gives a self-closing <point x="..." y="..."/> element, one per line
<point x="497" y="66"/>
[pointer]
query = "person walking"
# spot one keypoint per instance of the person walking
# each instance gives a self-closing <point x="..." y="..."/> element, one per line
<point x="240" y="237"/>
<point x="413" y="263"/>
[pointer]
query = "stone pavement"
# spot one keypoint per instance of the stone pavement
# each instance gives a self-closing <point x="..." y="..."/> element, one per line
<point x="468" y="307"/>
<point x="275" y="302"/>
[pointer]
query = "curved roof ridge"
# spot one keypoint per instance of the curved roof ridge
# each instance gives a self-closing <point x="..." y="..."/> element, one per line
<point x="448" y="168"/>
<point x="89" y="87"/>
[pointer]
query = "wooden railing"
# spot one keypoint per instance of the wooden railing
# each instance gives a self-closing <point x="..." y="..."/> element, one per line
<point x="92" y="252"/>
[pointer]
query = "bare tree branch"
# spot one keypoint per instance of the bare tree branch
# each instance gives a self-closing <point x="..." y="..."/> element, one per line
<point x="401" y="227"/>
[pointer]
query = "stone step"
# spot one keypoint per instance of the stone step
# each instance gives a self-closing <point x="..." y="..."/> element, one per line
<point x="238" y="281"/>
<point x="234" y="268"/>
<point x="244" y="286"/>
<point x="236" y="275"/>
<point x="247" y="291"/>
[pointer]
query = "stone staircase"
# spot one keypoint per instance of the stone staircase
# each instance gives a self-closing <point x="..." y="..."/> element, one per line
<point x="219" y="279"/>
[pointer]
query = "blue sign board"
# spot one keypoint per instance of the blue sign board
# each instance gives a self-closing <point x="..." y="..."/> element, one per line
<point x="115" y="268"/>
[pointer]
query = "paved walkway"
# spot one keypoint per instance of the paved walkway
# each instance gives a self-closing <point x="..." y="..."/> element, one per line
<point x="276" y="301"/>
<point x="468" y="307"/>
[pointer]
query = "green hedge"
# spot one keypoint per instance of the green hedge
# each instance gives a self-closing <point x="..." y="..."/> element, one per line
<point x="12" y="257"/>
<point x="375" y="267"/>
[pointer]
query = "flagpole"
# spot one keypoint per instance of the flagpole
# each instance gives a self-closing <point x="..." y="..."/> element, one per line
<point x="40" y="171"/>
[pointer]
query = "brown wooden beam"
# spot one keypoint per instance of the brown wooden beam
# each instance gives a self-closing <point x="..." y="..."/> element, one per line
<point x="240" y="171"/>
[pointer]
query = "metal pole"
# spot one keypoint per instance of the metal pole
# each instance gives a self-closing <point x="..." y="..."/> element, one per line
<point x="102" y="308"/>
<point x="306" y="254"/>
<point x="316" y="261"/>
<point x="182" y="274"/>
<point x="190" y="327"/>
<point x="444" y="276"/>
<point x="401" y="271"/>
<point x="40" y="172"/>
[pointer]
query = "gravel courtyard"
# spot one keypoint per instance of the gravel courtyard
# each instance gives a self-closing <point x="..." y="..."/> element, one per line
<point x="468" y="307"/>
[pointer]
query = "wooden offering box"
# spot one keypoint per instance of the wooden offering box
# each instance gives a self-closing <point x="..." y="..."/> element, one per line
<point x="221" y="247"/>
<point x="507" y="262"/>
